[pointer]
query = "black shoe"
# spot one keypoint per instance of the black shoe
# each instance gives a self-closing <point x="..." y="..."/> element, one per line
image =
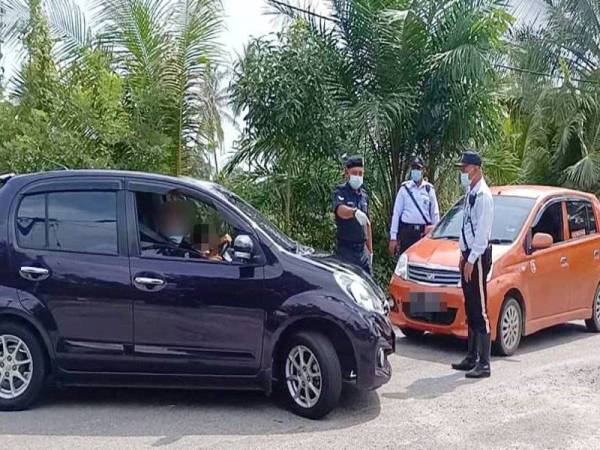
<point x="466" y="364"/>
<point x="480" y="371"/>
<point x="470" y="360"/>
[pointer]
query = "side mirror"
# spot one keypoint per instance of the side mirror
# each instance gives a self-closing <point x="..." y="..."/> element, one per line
<point x="243" y="248"/>
<point x="541" y="241"/>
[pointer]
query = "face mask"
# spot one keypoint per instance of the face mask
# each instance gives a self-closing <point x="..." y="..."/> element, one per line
<point x="355" y="182"/>
<point x="416" y="175"/>
<point x="176" y="238"/>
<point x="464" y="180"/>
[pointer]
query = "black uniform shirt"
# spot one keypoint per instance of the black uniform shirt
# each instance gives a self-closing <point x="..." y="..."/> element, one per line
<point x="349" y="230"/>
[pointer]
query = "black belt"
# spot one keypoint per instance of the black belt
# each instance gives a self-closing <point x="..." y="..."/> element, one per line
<point x="413" y="226"/>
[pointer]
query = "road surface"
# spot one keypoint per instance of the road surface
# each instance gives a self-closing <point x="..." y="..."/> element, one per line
<point x="546" y="396"/>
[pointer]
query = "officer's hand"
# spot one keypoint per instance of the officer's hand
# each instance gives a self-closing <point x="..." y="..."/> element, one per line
<point x="468" y="271"/>
<point x="392" y="247"/>
<point x="361" y="217"/>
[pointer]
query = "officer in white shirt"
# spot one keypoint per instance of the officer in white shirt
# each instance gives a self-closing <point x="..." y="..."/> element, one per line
<point x="415" y="208"/>
<point x="475" y="264"/>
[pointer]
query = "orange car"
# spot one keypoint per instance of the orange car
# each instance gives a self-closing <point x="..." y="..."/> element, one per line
<point x="545" y="271"/>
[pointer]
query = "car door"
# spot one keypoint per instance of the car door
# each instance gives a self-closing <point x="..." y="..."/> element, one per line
<point x="192" y="315"/>
<point x="547" y="272"/>
<point x="584" y="253"/>
<point x="70" y="264"/>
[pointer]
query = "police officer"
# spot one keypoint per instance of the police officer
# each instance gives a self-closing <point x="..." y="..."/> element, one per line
<point x="475" y="264"/>
<point x="351" y="208"/>
<point x="416" y="207"/>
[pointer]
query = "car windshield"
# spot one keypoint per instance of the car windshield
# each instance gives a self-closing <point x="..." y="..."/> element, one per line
<point x="509" y="214"/>
<point x="267" y="226"/>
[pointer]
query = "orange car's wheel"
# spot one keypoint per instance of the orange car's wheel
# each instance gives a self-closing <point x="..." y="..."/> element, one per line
<point x="593" y="323"/>
<point x="509" y="329"/>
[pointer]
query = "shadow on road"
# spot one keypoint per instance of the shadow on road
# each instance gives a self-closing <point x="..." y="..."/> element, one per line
<point x="446" y="349"/>
<point x="430" y="388"/>
<point x="171" y="415"/>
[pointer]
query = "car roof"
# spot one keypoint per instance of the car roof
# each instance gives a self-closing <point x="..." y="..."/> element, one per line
<point x="193" y="182"/>
<point x="535" y="191"/>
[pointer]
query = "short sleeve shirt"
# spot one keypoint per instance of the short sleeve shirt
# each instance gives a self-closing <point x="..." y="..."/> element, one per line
<point x="349" y="230"/>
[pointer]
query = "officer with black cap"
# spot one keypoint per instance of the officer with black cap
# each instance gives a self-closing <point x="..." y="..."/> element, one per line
<point x="415" y="208"/>
<point x="351" y="208"/>
<point x="475" y="263"/>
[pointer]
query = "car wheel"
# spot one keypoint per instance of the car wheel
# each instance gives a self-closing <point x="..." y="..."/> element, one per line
<point x="509" y="329"/>
<point x="593" y="323"/>
<point x="311" y="375"/>
<point x="22" y="367"/>
<point x="411" y="333"/>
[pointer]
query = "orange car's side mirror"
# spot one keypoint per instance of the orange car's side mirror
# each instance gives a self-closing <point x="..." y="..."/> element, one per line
<point x="541" y="241"/>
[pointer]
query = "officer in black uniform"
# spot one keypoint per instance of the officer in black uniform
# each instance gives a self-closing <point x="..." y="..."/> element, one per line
<point x="351" y="208"/>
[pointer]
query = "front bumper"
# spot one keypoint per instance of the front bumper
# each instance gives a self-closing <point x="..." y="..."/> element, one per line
<point x="451" y="320"/>
<point x="373" y="368"/>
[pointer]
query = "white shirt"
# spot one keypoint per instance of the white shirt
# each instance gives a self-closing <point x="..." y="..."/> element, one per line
<point x="477" y="221"/>
<point x="405" y="209"/>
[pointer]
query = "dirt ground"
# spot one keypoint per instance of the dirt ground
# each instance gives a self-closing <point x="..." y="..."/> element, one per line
<point x="546" y="396"/>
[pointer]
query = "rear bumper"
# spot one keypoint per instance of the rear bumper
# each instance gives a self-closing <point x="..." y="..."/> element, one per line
<point x="373" y="368"/>
<point x="452" y="321"/>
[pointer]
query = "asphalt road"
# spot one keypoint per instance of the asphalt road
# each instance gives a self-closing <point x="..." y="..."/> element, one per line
<point x="546" y="396"/>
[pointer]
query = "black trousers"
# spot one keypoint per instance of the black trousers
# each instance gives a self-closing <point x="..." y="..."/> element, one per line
<point x="408" y="235"/>
<point x="354" y="253"/>
<point x="475" y="292"/>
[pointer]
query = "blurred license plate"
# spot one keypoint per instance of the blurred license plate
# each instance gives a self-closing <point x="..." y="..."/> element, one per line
<point x="424" y="302"/>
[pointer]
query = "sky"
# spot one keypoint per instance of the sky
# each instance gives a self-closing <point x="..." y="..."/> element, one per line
<point x="245" y="19"/>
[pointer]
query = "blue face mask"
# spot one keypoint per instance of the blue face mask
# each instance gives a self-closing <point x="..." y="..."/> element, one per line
<point x="176" y="238"/>
<point x="464" y="180"/>
<point x="416" y="175"/>
<point x="355" y="182"/>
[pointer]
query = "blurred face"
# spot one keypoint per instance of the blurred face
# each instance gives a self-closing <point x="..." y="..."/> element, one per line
<point x="174" y="223"/>
<point x="355" y="177"/>
<point x="356" y="171"/>
<point x="209" y="238"/>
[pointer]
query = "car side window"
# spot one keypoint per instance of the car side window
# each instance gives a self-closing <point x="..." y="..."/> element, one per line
<point x="581" y="218"/>
<point x="551" y="222"/>
<point x="176" y="225"/>
<point x="82" y="222"/>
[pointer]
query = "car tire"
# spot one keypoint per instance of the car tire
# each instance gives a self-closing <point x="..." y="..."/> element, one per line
<point x="301" y="377"/>
<point x="17" y="345"/>
<point x="593" y="323"/>
<point x="411" y="333"/>
<point x="509" y="329"/>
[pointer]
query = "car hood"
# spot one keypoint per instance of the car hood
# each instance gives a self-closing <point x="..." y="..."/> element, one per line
<point x="444" y="252"/>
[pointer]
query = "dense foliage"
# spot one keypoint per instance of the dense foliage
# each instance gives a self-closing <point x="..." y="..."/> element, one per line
<point x="140" y="84"/>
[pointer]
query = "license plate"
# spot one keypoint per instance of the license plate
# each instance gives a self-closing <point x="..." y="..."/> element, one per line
<point x="427" y="302"/>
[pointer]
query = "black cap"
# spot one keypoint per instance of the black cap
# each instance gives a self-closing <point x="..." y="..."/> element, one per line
<point x="469" y="157"/>
<point x="354" y="161"/>
<point x="417" y="162"/>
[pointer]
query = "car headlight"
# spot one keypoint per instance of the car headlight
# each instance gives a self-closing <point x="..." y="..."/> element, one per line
<point x="359" y="291"/>
<point x="402" y="266"/>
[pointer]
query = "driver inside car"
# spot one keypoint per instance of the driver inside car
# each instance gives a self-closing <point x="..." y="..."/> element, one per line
<point x="174" y="222"/>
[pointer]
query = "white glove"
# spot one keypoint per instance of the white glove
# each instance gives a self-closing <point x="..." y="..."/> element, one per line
<point x="371" y="260"/>
<point x="361" y="217"/>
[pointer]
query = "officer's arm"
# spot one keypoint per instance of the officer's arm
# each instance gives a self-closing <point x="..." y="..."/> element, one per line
<point x="485" y="217"/>
<point x="434" y="209"/>
<point x="398" y="208"/>
<point x="339" y="209"/>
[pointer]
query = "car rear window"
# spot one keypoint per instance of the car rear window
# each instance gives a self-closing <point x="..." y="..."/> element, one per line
<point x="83" y="222"/>
<point x="581" y="218"/>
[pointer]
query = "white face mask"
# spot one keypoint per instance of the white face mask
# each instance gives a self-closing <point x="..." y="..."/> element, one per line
<point x="355" y="182"/>
<point x="176" y="238"/>
<point x="464" y="180"/>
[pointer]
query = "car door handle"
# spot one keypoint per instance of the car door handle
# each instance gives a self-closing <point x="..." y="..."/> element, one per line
<point x="34" y="273"/>
<point x="564" y="262"/>
<point x="148" y="283"/>
<point x="597" y="254"/>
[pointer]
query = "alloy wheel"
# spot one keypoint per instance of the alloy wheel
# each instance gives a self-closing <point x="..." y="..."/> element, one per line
<point x="511" y="327"/>
<point x="303" y="376"/>
<point x="597" y="306"/>
<point x="16" y="367"/>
